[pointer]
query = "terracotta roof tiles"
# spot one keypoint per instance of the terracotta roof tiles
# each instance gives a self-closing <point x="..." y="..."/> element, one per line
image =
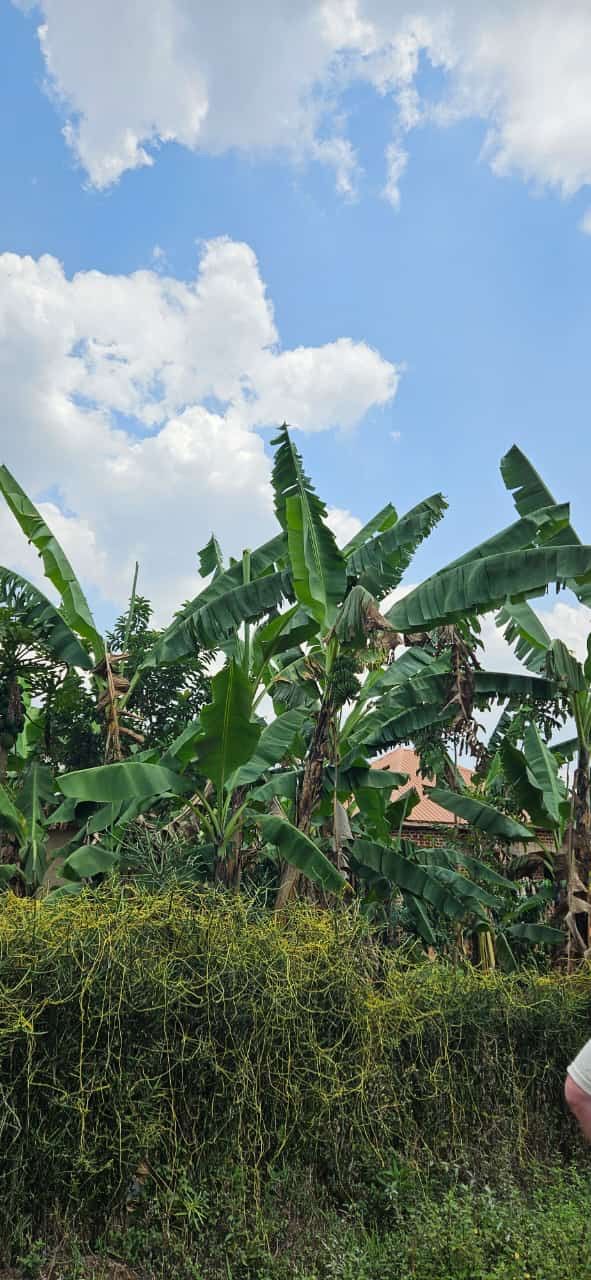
<point x="426" y="812"/>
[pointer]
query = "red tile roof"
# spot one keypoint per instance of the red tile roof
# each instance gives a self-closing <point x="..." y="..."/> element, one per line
<point x="426" y="812"/>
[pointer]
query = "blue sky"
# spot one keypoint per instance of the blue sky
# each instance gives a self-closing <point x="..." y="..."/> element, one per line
<point x="477" y="285"/>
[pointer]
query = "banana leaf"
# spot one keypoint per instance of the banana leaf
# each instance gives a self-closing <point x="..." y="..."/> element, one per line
<point x="89" y="860"/>
<point x="542" y="771"/>
<point x="523" y="628"/>
<point x="566" y="749"/>
<point x="514" y="765"/>
<point x="118" y="784"/>
<point x="562" y="664"/>
<point x="379" y="523"/>
<point x="380" y="563"/>
<point x="36" y="795"/>
<point x="300" y="851"/>
<point x="288" y="630"/>
<point x="537" y="933"/>
<point x="534" y="528"/>
<point x="420" y="919"/>
<point x="317" y="565"/>
<point x="511" y="684"/>
<point x="57" y="567"/>
<point x="230" y="735"/>
<point x="283" y="783"/>
<point x="452" y="894"/>
<point x="36" y="612"/>
<point x="480" y="815"/>
<point x="276" y="742"/>
<point x="483" y="585"/>
<point x="210" y="558"/>
<point x="381" y="729"/>
<point x="179" y="638"/>
<point x="450" y="856"/>
<point x="529" y="493"/>
<point x="12" y="820"/>
<point x="209" y="623"/>
<point x="411" y="664"/>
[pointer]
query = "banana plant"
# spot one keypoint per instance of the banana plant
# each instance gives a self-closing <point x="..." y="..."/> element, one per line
<point x="57" y="568"/>
<point x="26" y="823"/>
<point x="503" y="575"/>
<point x="572" y="679"/>
<point x="299" y="617"/>
<point x="341" y="590"/>
<point x="37" y="640"/>
<point x="212" y="768"/>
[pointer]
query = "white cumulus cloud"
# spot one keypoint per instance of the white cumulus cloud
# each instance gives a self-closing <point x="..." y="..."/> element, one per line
<point x="130" y="405"/>
<point x="130" y="78"/>
<point x="343" y="524"/>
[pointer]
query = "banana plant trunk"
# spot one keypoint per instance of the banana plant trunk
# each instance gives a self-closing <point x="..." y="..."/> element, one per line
<point x="228" y="868"/>
<point x="581" y="840"/>
<point x="309" y="795"/>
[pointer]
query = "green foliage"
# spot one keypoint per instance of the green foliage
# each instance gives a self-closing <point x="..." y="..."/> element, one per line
<point x="200" y="758"/>
<point x="167" y="696"/>
<point x="483" y="816"/>
<point x="317" y="565"/>
<point x="530" y="492"/>
<point x="303" y="853"/>
<point x="483" y="585"/>
<point x="117" y="784"/>
<point x="223" y="1049"/>
<point x="43" y="627"/>
<point x="229" y="733"/>
<point x="58" y="570"/>
<point x="400" y="1225"/>
<point x="72" y="733"/>
<point x="380" y="562"/>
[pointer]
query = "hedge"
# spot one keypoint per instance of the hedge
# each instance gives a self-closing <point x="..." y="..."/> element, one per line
<point x="187" y="1036"/>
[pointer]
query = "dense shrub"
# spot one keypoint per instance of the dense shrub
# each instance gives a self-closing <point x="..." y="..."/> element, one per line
<point x="189" y="1044"/>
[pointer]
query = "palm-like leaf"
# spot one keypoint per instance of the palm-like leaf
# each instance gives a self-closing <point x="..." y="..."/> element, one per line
<point x="12" y="820"/>
<point x="210" y="621"/>
<point x="452" y="857"/>
<point x="382" y="728"/>
<point x="56" y="565"/>
<point x="317" y="565"/>
<point x="530" y="493"/>
<point x="300" y="851"/>
<point x="276" y="741"/>
<point x="527" y="794"/>
<point x="449" y="892"/>
<point x="536" y="933"/>
<point x="511" y="684"/>
<point x="536" y="528"/>
<point x="480" y="815"/>
<point x="223" y="604"/>
<point x="34" y="611"/>
<point x="90" y="860"/>
<point x="523" y="628"/>
<point x="37" y="793"/>
<point x="379" y="563"/>
<point x="278" y="635"/>
<point x="210" y="558"/>
<point x="379" y="523"/>
<point x="118" y="784"/>
<point x="542" y="771"/>
<point x="483" y="585"/>
<point x="564" y="666"/>
<point x="230" y="735"/>
<point x="566" y="749"/>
